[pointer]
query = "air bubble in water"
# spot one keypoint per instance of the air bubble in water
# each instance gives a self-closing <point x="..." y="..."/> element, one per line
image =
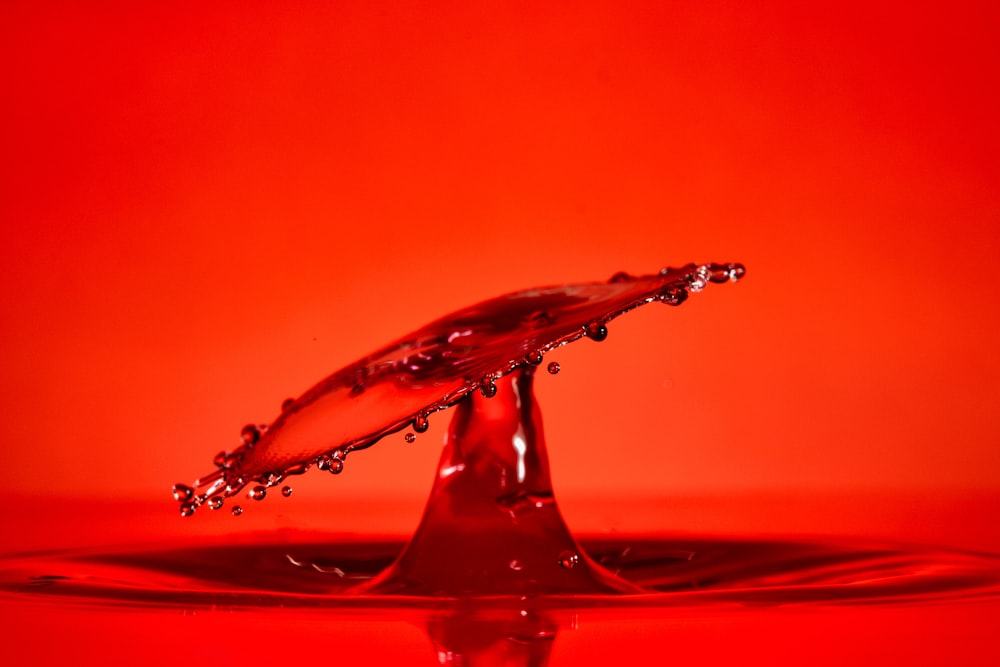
<point x="237" y="510"/>
<point x="215" y="503"/>
<point x="538" y="319"/>
<point x="182" y="492"/>
<point x="286" y="491"/>
<point x="554" y="367"/>
<point x="409" y="437"/>
<point x="257" y="493"/>
<point x="250" y="434"/>
<point x="569" y="559"/>
<point x="596" y="331"/>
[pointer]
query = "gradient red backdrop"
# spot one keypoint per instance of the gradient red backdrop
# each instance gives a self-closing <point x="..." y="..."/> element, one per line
<point x="207" y="208"/>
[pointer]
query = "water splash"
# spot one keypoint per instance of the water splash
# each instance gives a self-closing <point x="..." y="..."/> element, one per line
<point x="431" y="369"/>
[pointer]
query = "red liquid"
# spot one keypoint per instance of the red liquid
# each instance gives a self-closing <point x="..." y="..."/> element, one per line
<point x="429" y="370"/>
<point x="492" y="575"/>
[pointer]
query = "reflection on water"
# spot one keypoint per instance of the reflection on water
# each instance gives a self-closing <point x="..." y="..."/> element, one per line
<point x="672" y="572"/>
<point x="681" y="576"/>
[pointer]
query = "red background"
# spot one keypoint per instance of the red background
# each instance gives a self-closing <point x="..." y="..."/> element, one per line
<point x="207" y="210"/>
<point x="207" y="207"/>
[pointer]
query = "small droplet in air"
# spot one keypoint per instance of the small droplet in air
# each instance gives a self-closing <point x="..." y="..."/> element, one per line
<point x="568" y="559"/>
<point x="622" y="277"/>
<point x="736" y="272"/>
<point x="697" y="280"/>
<point x="596" y="331"/>
<point x="336" y="466"/>
<point x="409" y="437"/>
<point x="673" y="295"/>
<point x="237" y="510"/>
<point x="420" y="423"/>
<point x="250" y="434"/>
<point x="187" y="509"/>
<point x="554" y="367"/>
<point x="257" y="493"/>
<point x="534" y="357"/>
<point x="182" y="492"/>
<point x="286" y="491"/>
<point x="215" y="503"/>
<point x="287" y="403"/>
<point x="221" y="460"/>
<point x="488" y="387"/>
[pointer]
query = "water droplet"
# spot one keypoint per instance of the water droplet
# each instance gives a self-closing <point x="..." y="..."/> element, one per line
<point x="286" y="491"/>
<point x="297" y="469"/>
<point x="420" y="423"/>
<point x="568" y="559"/>
<point x="596" y="331"/>
<point x="250" y="434"/>
<point x="182" y="492"/>
<point x="215" y="503"/>
<point x="409" y="437"/>
<point x="697" y="280"/>
<point x="622" y="277"/>
<point x="187" y="509"/>
<point x="488" y="387"/>
<point x="554" y="367"/>
<point x="534" y="357"/>
<point x="357" y="389"/>
<point x="673" y="295"/>
<point x="273" y="479"/>
<point x="237" y="510"/>
<point x="221" y="460"/>
<point x="287" y="403"/>
<point x="516" y="565"/>
<point x="257" y="493"/>
<point x="234" y="486"/>
<point x="736" y="272"/>
<point x="332" y="463"/>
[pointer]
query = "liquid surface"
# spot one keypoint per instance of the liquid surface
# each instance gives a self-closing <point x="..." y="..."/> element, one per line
<point x="675" y="572"/>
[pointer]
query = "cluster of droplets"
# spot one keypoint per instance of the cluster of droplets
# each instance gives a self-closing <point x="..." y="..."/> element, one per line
<point x="225" y="482"/>
<point x="222" y="486"/>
